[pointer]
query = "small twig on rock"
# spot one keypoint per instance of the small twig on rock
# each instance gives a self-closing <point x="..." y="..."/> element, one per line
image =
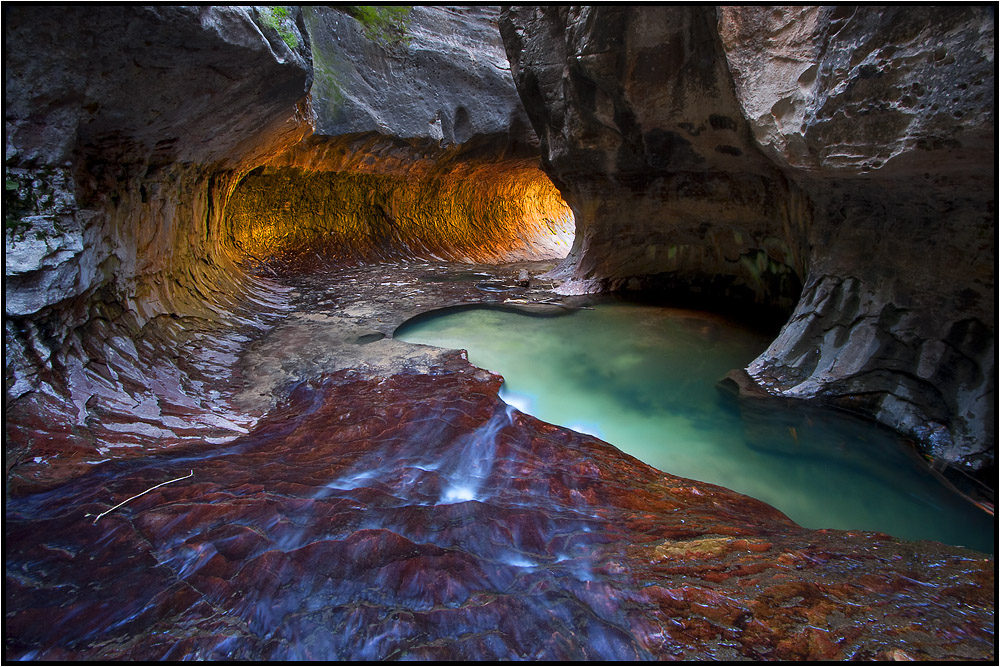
<point x="169" y="481"/>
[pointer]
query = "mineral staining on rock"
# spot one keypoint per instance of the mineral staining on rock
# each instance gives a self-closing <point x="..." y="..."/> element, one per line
<point x="125" y="302"/>
<point x="132" y="312"/>
<point x="416" y="516"/>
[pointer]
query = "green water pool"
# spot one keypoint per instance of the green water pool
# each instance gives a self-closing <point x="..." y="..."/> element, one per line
<point x="644" y="378"/>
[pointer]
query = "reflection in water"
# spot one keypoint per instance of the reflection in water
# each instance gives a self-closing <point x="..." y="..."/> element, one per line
<point x="644" y="379"/>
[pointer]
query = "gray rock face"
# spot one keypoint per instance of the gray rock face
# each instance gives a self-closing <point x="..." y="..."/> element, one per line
<point x="834" y="162"/>
<point x="126" y="129"/>
<point x="447" y="79"/>
<point x="649" y="146"/>
<point x="848" y="89"/>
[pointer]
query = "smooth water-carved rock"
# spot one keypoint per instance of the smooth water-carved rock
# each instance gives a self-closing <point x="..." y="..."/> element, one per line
<point x="892" y="133"/>
<point x="126" y="130"/>
<point x="422" y="150"/>
<point x="375" y="514"/>
<point x="648" y="145"/>
<point x="417" y="516"/>
<point x="374" y="198"/>
<point x="832" y="162"/>
<point x="444" y="77"/>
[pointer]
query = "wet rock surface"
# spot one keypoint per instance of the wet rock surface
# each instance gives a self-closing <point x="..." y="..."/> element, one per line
<point x="390" y="506"/>
<point x="322" y="491"/>
<point x="417" y="517"/>
<point x="344" y="317"/>
<point x="141" y="390"/>
<point x="833" y="162"/>
<point x="126" y="130"/>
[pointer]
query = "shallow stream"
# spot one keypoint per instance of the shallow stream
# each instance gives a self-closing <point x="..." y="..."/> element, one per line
<point x="644" y="378"/>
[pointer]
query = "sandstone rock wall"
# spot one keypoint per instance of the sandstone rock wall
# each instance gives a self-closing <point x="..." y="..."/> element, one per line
<point x="430" y="205"/>
<point x="422" y="150"/>
<point x="444" y="78"/>
<point x="127" y="128"/>
<point x="886" y="118"/>
<point x="645" y="138"/>
<point x="835" y="162"/>
<point x="130" y="130"/>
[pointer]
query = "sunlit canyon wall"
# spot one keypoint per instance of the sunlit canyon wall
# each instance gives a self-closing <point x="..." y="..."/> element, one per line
<point x="421" y="150"/>
<point x="127" y="128"/>
<point x="833" y="162"/>
<point x="158" y="157"/>
<point x="830" y="163"/>
<point x="165" y="165"/>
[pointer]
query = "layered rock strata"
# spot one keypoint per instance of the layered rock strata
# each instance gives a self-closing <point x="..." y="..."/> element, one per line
<point x="397" y="510"/>
<point x="834" y="162"/>
<point x="125" y="303"/>
<point x="422" y="149"/>
<point x="418" y="517"/>
<point x="373" y="198"/>
<point x="133" y="230"/>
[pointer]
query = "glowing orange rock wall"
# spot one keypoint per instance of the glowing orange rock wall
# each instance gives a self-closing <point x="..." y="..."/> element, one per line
<point x="375" y="198"/>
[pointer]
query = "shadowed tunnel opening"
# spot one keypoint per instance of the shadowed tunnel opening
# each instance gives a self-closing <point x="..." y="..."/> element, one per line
<point x="372" y="199"/>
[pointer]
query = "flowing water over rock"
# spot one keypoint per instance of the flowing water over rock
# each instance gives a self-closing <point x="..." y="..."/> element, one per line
<point x="391" y="506"/>
<point x="419" y="517"/>
<point x="644" y="378"/>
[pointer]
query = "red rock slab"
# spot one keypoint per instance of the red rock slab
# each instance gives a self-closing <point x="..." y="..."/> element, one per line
<point x="418" y="517"/>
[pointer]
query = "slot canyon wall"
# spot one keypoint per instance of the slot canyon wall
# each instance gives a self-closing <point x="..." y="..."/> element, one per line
<point x="164" y="164"/>
<point x="833" y="162"/>
<point x="127" y="128"/>
<point x="421" y="149"/>
<point x="151" y="182"/>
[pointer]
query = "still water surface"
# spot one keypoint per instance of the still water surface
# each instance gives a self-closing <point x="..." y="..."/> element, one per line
<point x="644" y="379"/>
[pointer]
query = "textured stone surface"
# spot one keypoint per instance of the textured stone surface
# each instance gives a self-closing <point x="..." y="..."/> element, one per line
<point x="850" y="89"/>
<point x="886" y="119"/>
<point x="416" y="516"/>
<point x="833" y="162"/>
<point x="126" y="130"/>
<point x="447" y="79"/>
<point x="375" y="198"/>
<point x="422" y="149"/>
<point x="643" y="135"/>
<point x="397" y="510"/>
<point x="125" y="276"/>
<point x="210" y="385"/>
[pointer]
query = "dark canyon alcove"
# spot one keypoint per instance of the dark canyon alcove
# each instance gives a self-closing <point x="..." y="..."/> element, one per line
<point x="216" y="217"/>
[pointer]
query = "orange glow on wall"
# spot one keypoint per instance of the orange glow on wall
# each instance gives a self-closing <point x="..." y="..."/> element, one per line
<point x="459" y="210"/>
